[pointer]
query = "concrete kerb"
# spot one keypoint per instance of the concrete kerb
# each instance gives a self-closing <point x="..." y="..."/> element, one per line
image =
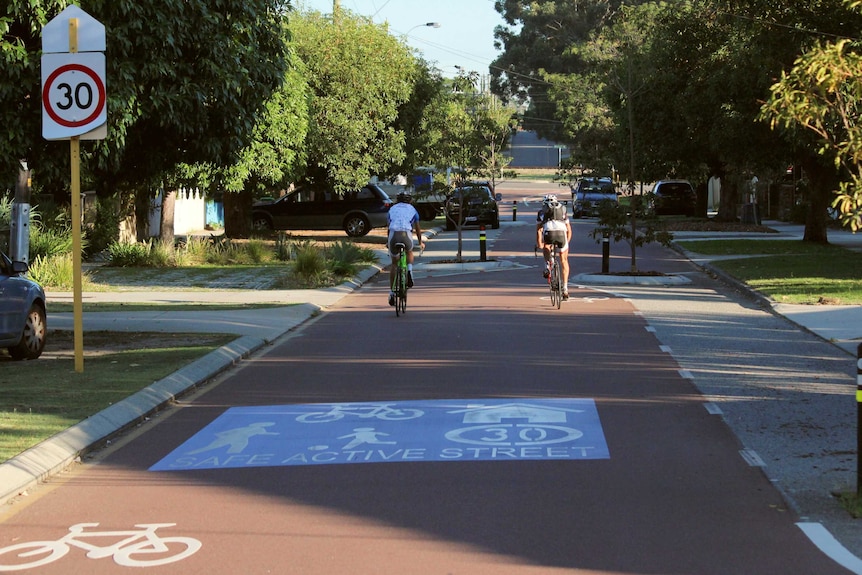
<point x="36" y="464"/>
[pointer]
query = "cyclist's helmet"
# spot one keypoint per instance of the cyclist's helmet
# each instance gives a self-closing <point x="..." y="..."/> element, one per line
<point x="405" y="197"/>
<point x="550" y="200"/>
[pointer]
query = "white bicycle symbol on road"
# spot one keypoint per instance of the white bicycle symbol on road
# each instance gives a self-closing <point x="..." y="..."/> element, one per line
<point x="142" y="548"/>
<point x="379" y="411"/>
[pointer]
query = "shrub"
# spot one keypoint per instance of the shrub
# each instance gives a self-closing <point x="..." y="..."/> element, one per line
<point x="128" y="255"/>
<point x="257" y="252"/>
<point x="309" y="263"/>
<point x="162" y="255"/>
<point x="56" y="271"/>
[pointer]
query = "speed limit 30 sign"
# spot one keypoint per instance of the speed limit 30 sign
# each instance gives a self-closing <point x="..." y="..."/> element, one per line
<point x="73" y="94"/>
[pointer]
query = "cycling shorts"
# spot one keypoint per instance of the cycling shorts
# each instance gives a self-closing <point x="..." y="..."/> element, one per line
<point x="405" y="238"/>
<point x="551" y="237"/>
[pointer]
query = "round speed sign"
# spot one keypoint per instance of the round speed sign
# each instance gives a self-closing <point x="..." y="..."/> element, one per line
<point x="73" y="94"/>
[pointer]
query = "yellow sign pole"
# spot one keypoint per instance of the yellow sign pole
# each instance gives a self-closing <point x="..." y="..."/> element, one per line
<point x="75" y="161"/>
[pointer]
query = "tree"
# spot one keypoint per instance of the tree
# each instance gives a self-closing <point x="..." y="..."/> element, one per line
<point x="273" y="159"/>
<point x="187" y="80"/>
<point x="20" y="92"/>
<point x="359" y="76"/>
<point x="537" y="42"/>
<point x="822" y="93"/>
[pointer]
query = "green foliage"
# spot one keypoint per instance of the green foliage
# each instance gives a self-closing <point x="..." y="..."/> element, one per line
<point x="344" y="256"/>
<point x="822" y="94"/>
<point x="283" y="247"/>
<point x="106" y="225"/>
<point x="359" y="76"/>
<point x="57" y="272"/>
<point x="188" y="81"/>
<point x="309" y="262"/>
<point x="123" y="254"/>
<point x="632" y="221"/>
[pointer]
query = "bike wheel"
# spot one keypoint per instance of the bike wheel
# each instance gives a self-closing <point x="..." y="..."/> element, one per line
<point x="556" y="284"/>
<point x="401" y="414"/>
<point x="49" y="551"/>
<point x="162" y="551"/>
<point x="401" y="291"/>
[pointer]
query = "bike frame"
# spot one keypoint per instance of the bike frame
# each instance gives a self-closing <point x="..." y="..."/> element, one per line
<point x="401" y="281"/>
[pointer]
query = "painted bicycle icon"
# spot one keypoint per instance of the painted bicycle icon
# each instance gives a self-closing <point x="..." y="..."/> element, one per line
<point x="363" y="411"/>
<point x="141" y="548"/>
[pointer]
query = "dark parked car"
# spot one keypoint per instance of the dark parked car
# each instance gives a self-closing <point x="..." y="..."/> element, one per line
<point x="589" y="193"/>
<point x="475" y="204"/>
<point x="355" y="212"/>
<point x="23" y="328"/>
<point x="674" y="197"/>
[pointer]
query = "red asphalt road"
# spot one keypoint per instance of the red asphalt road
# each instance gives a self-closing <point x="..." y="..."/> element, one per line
<point x="675" y="497"/>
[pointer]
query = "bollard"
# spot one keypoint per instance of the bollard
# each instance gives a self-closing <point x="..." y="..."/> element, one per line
<point x="606" y="252"/>
<point x="483" y="255"/>
<point x="859" y="421"/>
<point x="514" y="211"/>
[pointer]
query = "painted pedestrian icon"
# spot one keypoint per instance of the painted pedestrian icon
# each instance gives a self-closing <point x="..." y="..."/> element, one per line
<point x="236" y="440"/>
<point x="432" y="430"/>
<point x="363" y="435"/>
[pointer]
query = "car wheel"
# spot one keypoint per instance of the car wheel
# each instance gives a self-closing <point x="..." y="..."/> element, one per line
<point x="427" y="213"/>
<point x="495" y="223"/>
<point x="356" y="225"/>
<point x="261" y="224"/>
<point x="33" y="338"/>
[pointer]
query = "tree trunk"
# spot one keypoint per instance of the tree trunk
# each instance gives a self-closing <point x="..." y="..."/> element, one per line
<point x="166" y="221"/>
<point x="823" y="181"/>
<point x="237" y="214"/>
<point x="728" y="200"/>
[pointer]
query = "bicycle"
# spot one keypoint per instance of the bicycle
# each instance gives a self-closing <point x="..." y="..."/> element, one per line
<point x="400" y="286"/>
<point x="153" y="549"/>
<point x="555" y="279"/>
<point x="382" y="411"/>
<point x="555" y="275"/>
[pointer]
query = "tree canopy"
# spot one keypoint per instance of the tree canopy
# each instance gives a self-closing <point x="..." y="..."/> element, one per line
<point x="177" y="93"/>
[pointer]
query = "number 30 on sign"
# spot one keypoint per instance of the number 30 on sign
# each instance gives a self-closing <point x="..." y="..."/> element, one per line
<point x="73" y="94"/>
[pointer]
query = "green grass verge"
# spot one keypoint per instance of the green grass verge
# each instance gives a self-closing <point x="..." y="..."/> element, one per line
<point x="789" y="271"/>
<point x="44" y="397"/>
<point x="64" y="307"/>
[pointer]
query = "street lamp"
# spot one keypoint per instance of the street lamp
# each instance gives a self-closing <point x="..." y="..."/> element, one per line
<point x="425" y="25"/>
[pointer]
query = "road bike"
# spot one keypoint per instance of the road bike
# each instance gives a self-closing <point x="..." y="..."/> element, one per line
<point x="555" y="274"/>
<point x="141" y="548"/>
<point x="400" y="286"/>
<point x="555" y="279"/>
<point x="377" y="411"/>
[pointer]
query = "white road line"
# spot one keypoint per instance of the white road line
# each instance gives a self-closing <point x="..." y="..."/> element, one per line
<point x="665" y="348"/>
<point x="751" y="457"/>
<point x="650" y="329"/>
<point x="827" y="543"/>
<point x="712" y="408"/>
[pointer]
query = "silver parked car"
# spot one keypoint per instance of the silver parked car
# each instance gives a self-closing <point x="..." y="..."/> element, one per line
<point x="23" y="326"/>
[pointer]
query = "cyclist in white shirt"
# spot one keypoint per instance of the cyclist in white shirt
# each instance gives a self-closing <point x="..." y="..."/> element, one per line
<point x="552" y="225"/>
<point x="403" y="219"/>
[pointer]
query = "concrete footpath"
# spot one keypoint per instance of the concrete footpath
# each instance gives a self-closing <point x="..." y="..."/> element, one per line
<point x="840" y="325"/>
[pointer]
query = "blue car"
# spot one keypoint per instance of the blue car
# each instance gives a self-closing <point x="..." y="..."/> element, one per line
<point x="23" y="327"/>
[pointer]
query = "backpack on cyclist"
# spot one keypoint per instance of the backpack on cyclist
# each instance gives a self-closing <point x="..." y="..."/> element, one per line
<point x="554" y="211"/>
<point x="553" y="222"/>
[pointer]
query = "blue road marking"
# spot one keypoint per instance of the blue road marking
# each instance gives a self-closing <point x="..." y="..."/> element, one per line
<point x="396" y="431"/>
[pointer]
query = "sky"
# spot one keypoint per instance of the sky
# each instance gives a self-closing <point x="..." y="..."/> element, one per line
<point x="465" y="37"/>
